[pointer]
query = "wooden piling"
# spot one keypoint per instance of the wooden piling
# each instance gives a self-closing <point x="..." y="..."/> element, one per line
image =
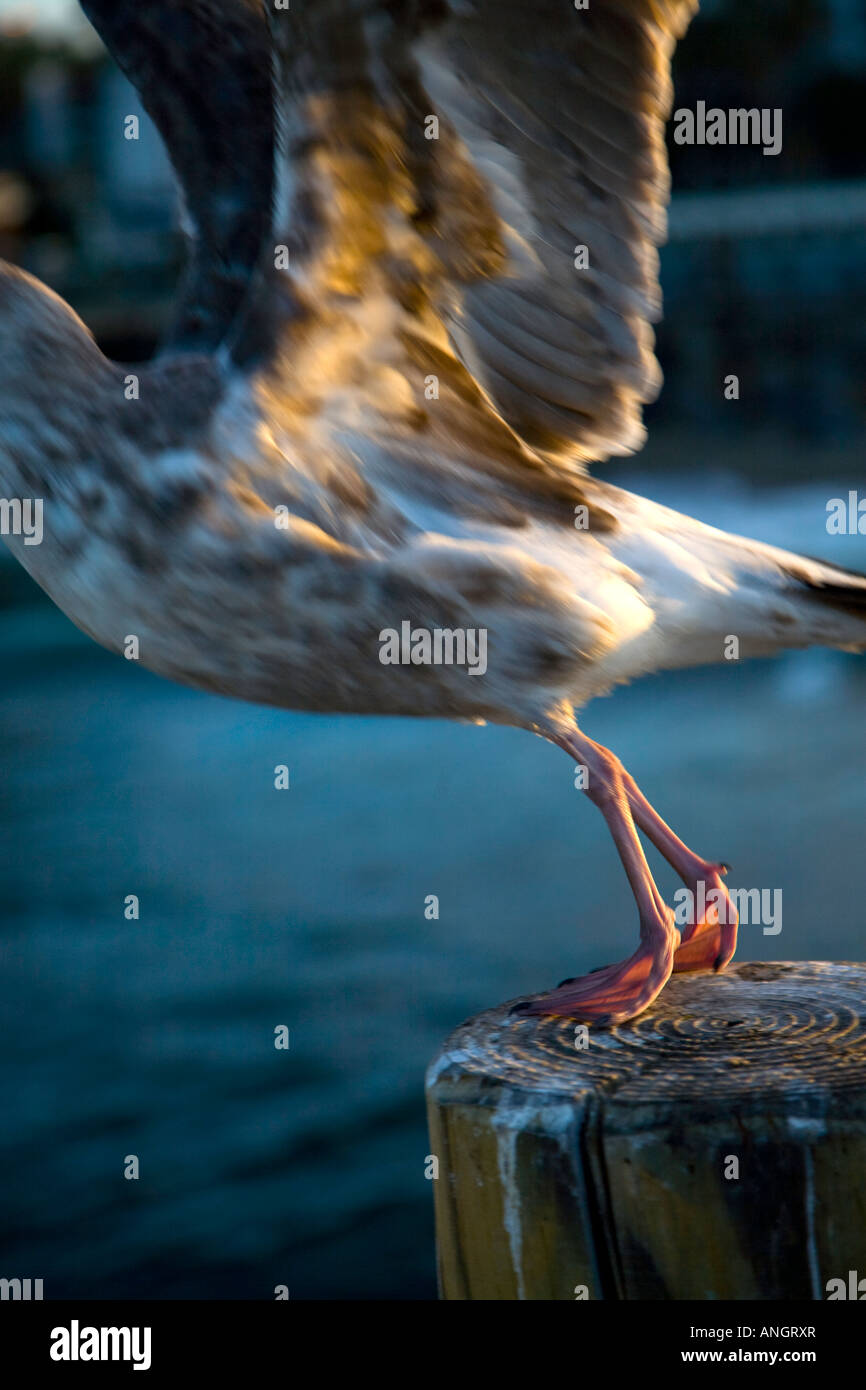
<point x="714" y="1148"/>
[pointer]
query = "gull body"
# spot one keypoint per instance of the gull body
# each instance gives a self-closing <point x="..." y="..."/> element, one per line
<point x="384" y="382"/>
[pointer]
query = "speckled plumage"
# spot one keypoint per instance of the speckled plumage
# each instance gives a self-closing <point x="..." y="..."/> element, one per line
<point x="418" y="389"/>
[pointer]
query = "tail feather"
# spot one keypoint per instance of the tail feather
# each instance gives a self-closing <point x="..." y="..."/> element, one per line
<point x="703" y="586"/>
<point x="841" y="589"/>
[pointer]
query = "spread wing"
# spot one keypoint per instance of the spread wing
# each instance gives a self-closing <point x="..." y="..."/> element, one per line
<point x="563" y="111"/>
<point x="203" y="70"/>
<point x="523" y="147"/>
<point x="469" y="192"/>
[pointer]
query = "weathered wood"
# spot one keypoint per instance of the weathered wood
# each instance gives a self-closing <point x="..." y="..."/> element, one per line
<point x="604" y="1169"/>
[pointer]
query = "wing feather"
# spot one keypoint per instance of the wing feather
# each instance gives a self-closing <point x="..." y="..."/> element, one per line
<point x="204" y="72"/>
<point x="575" y="103"/>
<point x="550" y="139"/>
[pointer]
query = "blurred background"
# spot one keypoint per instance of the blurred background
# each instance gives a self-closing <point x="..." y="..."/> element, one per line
<point x="306" y="908"/>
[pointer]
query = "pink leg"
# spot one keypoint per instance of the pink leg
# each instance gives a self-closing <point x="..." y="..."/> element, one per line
<point x="617" y="992"/>
<point x="706" y="944"/>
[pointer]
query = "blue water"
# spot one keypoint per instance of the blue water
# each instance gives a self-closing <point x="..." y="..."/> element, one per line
<point x="306" y="908"/>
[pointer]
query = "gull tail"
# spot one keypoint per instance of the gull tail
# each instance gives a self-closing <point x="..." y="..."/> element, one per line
<point x="843" y="591"/>
<point x="797" y="601"/>
<point x="704" y="587"/>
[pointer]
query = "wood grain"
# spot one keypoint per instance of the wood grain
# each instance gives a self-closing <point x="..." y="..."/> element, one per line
<point x="604" y="1169"/>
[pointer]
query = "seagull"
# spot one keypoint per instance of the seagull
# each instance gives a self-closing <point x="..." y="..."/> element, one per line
<point x="422" y="271"/>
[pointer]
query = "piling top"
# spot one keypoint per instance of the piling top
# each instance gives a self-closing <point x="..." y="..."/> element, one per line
<point x="784" y="1037"/>
<point x="712" y="1148"/>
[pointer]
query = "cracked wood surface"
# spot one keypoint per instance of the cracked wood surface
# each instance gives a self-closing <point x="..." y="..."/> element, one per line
<point x="604" y="1168"/>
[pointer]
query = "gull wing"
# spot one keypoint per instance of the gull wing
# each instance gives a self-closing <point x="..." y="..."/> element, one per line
<point x="505" y="162"/>
<point x="563" y="111"/>
<point x="471" y="192"/>
<point x="204" y="72"/>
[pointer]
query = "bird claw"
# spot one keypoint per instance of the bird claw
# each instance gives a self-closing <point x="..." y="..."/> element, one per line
<point x="709" y="945"/>
<point x="522" y="1008"/>
<point x="612" y="993"/>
